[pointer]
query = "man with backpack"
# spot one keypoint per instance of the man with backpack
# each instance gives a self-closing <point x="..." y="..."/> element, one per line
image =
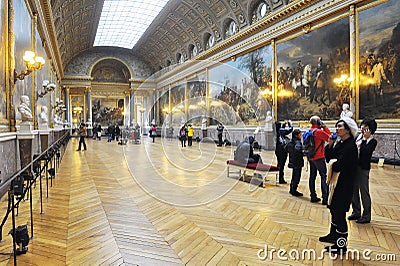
<point x="314" y="148"/>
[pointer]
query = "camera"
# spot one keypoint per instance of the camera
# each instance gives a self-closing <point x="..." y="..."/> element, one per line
<point x="334" y="136"/>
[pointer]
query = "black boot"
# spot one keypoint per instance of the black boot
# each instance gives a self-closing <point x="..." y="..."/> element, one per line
<point x="331" y="237"/>
<point x="340" y="247"/>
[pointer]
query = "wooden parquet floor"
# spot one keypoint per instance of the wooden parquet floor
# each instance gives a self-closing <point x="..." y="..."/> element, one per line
<point x="160" y="204"/>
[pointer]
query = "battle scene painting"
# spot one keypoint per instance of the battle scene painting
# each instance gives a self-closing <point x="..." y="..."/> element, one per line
<point x="163" y="108"/>
<point x="106" y="111"/>
<point x="307" y="68"/>
<point x="244" y="85"/>
<point x="197" y="102"/>
<point x="178" y="104"/>
<point x="379" y="64"/>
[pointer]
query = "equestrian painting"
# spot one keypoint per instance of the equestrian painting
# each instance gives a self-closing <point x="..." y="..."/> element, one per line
<point x="307" y="66"/>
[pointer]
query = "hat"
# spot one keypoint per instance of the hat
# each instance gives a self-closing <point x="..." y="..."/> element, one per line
<point x="352" y="125"/>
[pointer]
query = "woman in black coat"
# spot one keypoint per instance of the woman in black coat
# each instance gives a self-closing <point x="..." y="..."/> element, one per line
<point x="344" y="150"/>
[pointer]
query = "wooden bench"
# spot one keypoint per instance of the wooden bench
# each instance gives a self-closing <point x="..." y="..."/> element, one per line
<point x="248" y="170"/>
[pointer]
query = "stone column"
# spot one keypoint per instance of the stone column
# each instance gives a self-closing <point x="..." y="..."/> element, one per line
<point x="132" y="117"/>
<point x="89" y="117"/>
<point x="274" y="81"/>
<point x="127" y="110"/>
<point x="68" y="111"/>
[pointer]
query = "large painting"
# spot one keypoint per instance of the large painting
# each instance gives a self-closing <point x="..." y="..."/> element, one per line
<point x="178" y="104"/>
<point x="3" y="52"/>
<point x="106" y="111"/>
<point x="243" y="87"/>
<point x="379" y="64"/>
<point x="307" y="68"/>
<point x="164" y="109"/>
<point x="197" y="102"/>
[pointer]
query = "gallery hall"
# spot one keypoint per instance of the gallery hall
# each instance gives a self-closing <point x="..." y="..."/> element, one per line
<point x="199" y="132"/>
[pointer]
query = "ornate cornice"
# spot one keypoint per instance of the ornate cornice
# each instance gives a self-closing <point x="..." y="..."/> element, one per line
<point x="66" y="78"/>
<point x="289" y="20"/>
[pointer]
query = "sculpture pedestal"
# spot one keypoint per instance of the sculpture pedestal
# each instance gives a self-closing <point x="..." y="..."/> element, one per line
<point x="25" y="148"/>
<point x="269" y="140"/>
<point x="44" y="139"/>
<point x="25" y="127"/>
<point x="44" y="127"/>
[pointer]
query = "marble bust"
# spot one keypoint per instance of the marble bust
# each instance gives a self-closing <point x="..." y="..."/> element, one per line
<point x="23" y="108"/>
<point x="346" y="112"/>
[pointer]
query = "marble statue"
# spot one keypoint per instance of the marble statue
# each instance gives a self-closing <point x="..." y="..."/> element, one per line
<point x="269" y="122"/>
<point x="23" y="108"/>
<point x="346" y="112"/>
<point x="43" y="116"/>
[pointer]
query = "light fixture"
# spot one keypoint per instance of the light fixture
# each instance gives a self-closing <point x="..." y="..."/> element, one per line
<point x="59" y="107"/>
<point x="47" y="87"/>
<point x="32" y="62"/>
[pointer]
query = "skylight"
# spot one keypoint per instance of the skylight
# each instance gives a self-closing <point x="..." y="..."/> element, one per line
<point x="123" y="22"/>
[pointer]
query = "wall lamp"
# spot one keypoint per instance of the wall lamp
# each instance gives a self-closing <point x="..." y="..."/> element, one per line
<point x="59" y="108"/>
<point x="32" y="62"/>
<point x="47" y="87"/>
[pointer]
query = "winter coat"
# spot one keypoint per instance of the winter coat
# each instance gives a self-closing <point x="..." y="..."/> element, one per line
<point x="347" y="157"/>
<point x="295" y="150"/>
<point x="321" y="135"/>
<point x="282" y="139"/>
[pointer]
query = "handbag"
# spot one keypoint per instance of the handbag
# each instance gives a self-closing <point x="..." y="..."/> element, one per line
<point x="332" y="178"/>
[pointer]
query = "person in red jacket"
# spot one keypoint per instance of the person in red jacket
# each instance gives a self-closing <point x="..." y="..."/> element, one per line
<point x="317" y="163"/>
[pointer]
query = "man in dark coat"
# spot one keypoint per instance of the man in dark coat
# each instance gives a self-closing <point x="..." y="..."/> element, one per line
<point x="282" y="130"/>
<point x="296" y="161"/>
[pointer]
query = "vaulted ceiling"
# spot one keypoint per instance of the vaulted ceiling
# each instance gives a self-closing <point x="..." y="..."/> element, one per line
<point x="181" y="25"/>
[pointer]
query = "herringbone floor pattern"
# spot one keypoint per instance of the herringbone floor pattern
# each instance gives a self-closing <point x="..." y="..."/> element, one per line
<point x="160" y="204"/>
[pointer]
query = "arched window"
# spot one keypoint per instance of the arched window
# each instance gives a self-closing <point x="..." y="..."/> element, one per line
<point x="230" y="28"/>
<point x="210" y="40"/>
<point x="261" y="10"/>
<point x="192" y="50"/>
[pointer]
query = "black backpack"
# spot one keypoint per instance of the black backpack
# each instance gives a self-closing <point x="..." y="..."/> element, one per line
<point x="309" y="144"/>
